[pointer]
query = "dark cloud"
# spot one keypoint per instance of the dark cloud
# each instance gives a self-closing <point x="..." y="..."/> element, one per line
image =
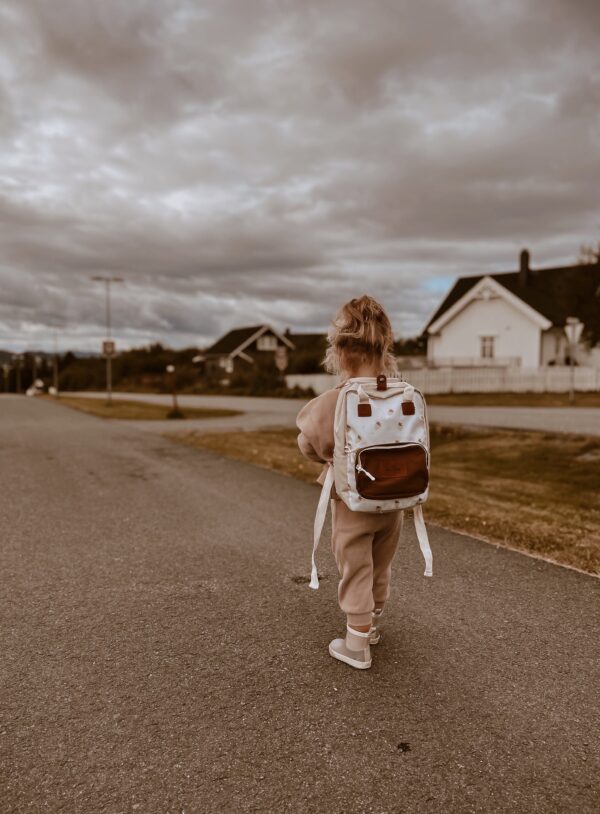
<point x="245" y="161"/>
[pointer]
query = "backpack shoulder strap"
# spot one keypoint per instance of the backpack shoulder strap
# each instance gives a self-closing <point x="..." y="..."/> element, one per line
<point x="423" y="539"/>
<point x="319" y="521"/>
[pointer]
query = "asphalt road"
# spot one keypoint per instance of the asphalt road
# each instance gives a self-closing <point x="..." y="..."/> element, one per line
<point x="160" y="652"/>
<point x="579" y="420"/>
<point x="267" y="412"/>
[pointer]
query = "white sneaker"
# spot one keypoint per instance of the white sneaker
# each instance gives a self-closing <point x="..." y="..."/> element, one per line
<point x="353" y="650"/>
<point x="374" y="634"/>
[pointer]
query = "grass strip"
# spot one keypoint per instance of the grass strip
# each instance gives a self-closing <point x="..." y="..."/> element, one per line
<point x="537" y="492"/>
<point x="130" y="410"/>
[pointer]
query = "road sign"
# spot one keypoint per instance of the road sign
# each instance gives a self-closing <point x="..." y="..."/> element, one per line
<point x="281" y="357"/>
<point x="108" y="348"/>
<point x="573" y="330"/>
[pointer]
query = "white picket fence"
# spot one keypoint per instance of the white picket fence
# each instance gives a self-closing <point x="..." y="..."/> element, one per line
<point x="484" y="380"/>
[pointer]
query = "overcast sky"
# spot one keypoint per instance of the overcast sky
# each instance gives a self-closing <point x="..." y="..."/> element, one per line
<point x="242" y="161"/>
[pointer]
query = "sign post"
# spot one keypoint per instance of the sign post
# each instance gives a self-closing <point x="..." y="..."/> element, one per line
<point x="573" y="330"/>
<point x="108" y="342"/>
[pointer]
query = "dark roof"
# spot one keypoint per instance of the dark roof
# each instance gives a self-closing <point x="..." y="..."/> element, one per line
<point x="307" y="341"/>
<point x="233" y="339"/>
<point x="552" y="292"/>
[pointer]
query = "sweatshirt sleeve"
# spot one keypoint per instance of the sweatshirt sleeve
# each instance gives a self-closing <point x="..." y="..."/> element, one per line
<point x="315" y="422"/>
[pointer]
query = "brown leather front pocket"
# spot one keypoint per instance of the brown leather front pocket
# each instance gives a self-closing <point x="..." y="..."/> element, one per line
<point x="392" y="472"/>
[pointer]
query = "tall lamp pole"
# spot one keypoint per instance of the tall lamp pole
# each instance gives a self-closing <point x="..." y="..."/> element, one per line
<point x="108" y="346"/>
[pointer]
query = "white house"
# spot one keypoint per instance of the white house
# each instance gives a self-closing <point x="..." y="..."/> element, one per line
<point x="513" y="319"/>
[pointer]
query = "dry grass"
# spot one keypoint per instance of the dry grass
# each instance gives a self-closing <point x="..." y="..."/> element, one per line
<point x="532" y="491"/>
<point x="514" y="399"/>
<point x="137" y="410"/>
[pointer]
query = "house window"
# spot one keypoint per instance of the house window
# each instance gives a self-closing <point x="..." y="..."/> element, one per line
<point x="226" y="363"/>
<point x="487" y="347"/>
<point x="266" y="342"/>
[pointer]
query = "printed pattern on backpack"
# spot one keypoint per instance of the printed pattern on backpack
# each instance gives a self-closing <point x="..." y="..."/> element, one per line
<point x="381" y="457"/>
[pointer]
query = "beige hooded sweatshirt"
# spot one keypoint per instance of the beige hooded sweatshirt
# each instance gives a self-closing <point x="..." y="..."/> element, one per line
<point x="315" y="422"/>
<point x="363" y="544"/>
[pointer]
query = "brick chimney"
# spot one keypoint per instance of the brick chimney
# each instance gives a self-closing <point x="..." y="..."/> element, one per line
<point x="524" y="270"/>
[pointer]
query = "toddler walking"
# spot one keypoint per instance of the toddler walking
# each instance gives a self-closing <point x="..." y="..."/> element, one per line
<point x="364" y="544"/>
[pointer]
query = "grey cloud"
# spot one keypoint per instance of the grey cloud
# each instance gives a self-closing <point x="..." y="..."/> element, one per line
<point x="246" y="161"/>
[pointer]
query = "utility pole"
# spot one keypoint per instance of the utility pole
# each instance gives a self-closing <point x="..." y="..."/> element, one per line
<point x="108" y="346"/>
<point x="18" y="374"/>
<point x="55" y="367"/>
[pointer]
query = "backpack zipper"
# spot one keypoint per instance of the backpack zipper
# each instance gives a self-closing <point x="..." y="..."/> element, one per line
<point x="360" y="468"/>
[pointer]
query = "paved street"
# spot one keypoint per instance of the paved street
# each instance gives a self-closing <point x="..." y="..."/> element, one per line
<point x="161" y="652"/>
<point x="580" y="420"/>
<point x="266" y="412"/>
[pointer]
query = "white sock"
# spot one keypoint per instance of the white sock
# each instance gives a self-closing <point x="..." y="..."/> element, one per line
<point x="356" y="639"/>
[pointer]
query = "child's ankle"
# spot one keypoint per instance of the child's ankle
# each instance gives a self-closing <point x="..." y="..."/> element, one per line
<point x="360" y="628"/>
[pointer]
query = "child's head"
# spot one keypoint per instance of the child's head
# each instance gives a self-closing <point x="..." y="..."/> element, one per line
<point x="361" y="337"/>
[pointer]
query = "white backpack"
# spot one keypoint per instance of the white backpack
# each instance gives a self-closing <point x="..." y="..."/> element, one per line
<point x="381" y="455"/>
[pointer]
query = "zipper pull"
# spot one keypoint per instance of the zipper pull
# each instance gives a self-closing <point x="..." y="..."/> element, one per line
<point x="360" y="468"/>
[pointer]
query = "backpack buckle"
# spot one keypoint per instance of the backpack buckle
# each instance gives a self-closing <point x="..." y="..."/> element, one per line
<point x="381" y="382"/>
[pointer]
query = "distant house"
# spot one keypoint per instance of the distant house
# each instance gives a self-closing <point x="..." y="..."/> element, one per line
<point x="514" y="319"/>
<point x="243" y="347"/>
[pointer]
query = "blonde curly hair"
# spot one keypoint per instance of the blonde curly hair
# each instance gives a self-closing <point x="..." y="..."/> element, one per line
<point x="361" y="333"/>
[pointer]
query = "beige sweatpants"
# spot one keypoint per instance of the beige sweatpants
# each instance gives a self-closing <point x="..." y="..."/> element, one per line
<point x="363" y="545"/>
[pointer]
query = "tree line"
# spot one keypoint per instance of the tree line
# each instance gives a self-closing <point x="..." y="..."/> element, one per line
<point x="144" y="370"/>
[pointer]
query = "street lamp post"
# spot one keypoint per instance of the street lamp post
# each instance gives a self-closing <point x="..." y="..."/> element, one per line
<point x="37" y="361"/>
<point x="175" y="412"/>
<point x="108" y="345"/>
<point x="18" y="373"/>
<point x="55" y="368"/>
